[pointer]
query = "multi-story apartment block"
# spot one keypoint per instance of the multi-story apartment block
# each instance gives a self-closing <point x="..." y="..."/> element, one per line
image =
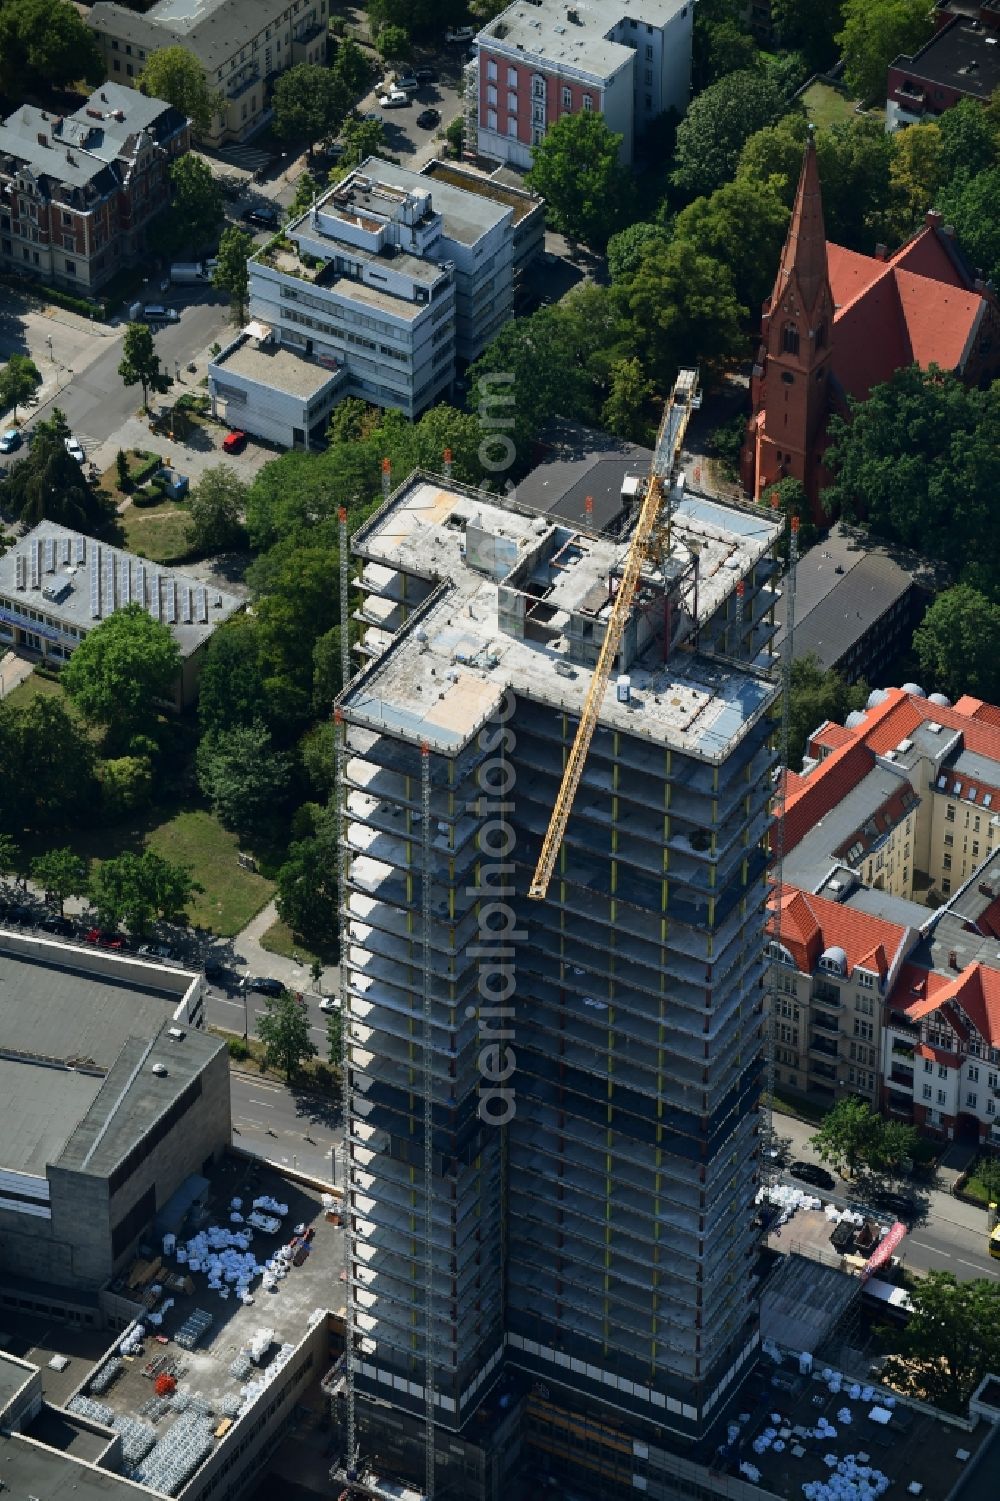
<point x="78" y="191"/>
<point x="594" y="1242"/>
<point x="542" y="59"/>
<point x="528" y="230"/>
<point x="958" y="62"/>
<point x="834" y="968"/>
<point x="373" y="292"/>
<point x="242" y="45"/>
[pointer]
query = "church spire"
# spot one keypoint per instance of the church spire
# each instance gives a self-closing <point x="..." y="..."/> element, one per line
<point x="804" y="256"/>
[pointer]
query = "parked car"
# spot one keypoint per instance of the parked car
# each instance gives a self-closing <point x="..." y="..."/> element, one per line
<point x="409" y="83"/>
<point x="155" y="312"/>
<point x="329" y="1003"/>
<point x="155" y="951"/>
<point x="103" y="940"/>
<point x="20" y="915"/>
<point x="460" y="34"/>
<point x="217" y="974"/>
<point x="10" y="440"/>
<point x="428" y="118"/>
<point x="58" y="925"/>
<point x="808" y="1172"/>
<point x="394" y="99"/>
<point x="264" y="216"/>
<point x="898" y="1202"/>
<point x="235" y="442"/>
<point x="74" y="448"/>
<point x="425" y="75"/>
<point x="264" y="984"/>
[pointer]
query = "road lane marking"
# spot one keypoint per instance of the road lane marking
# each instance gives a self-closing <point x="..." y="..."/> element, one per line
<point x="245" y="1121"/>
<point x="211" y="999"/>
<point x="934" y="1250"/>
<point x="254" y="1101"/>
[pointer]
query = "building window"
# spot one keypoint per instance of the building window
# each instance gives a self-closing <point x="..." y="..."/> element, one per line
<point x="928" y="1092"/>
<point x="946" y="862"/>
<point x="537" y="135"/>
<point x="647" y="75"/>
<point x="942" y="1071"/>
<point x="538" y="87"/>
<point x="512" y="127"/>
<point x="991" y="1108"/>
<point x="491" y="119"/>
<point x="567" y="98"/>
<point x="928" y="1066"/>
<point x="649" y="52"/>
<point x="588" y="104"/>
<point x="538" y="114"/>
<point x="971" y="1100"/>
<point x="129" y="69"/>
<point x="945" y="886"/>
<point x="863" y="1029"/>
<point x="116" y="65"/>
<point x="512" y="104"/>
<point x="949" y="841"/>
<point x="973" y="1075"/>
<point x="70" y="269"/>
<point x="942" y="1097"/>
<point x="491" y="69"/>
<point x="512" y="78"/>
<point x="790" y="339"/>
<point x="975" y="846"/>
<point x="491" y="94"/>
<point x="949" y="813"/>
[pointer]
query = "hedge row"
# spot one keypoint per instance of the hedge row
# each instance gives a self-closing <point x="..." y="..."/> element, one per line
<point x="82" y="305"/>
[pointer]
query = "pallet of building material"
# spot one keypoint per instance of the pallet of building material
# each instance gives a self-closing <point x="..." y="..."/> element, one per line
<point x="137" y="1439"/>
<point x="175" y="1282"/>
<point x="144" y="1271"/>
<point x="102" y="1378"/>
<point x="95" y="1411"/>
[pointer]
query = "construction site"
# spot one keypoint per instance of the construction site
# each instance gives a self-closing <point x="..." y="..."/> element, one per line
<point x="556" y="771"/>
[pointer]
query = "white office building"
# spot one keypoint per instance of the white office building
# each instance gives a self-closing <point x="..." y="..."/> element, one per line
<point x="373" y="292"/>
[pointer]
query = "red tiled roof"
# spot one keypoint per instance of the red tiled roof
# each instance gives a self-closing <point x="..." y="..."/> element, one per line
<point x="939" y="318"/>
<point x="824" y="788"/>
<point x="926" y="255"/>
<point x="988" y="921"/>
<point x="830" y="736"/>
<point x="976" y="709"/>
<point x="810" y="924"/>
<point x="939" y="1055"/>
<point x="976" y="990"/>
<point x="850" y="273"/>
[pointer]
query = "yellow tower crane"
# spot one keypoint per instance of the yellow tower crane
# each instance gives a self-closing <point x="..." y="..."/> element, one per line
<point x="651" y="539"/>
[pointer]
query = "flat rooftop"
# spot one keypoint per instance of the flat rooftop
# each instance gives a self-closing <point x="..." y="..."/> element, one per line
<point x="963" y="55"/>
<point x="77" y="581"/>
<point x="69" y="1041"/>
<point x="467" y="215"/>
<point x="204" y="1374"/>
<point x="581" y="462"/>
<point x="470" y="180"/>
<point x="273" y="365"/>
<point x="544" y="31"/>
<point x="446" y="671"/>
<point x="214" y="30"/>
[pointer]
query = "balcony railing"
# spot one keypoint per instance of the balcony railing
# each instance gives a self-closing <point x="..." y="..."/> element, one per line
<point x="824" y="1046"/>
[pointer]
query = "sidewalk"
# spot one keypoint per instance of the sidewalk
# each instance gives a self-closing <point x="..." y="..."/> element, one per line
<point x="249" y="954"/>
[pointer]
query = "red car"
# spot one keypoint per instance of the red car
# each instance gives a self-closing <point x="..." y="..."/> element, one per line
<point x="235" y="442"/>
<point x="104" y="940"/>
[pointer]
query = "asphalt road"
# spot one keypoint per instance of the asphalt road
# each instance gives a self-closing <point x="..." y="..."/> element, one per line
<point x="297" y="1130"/>
<point x="232" y="1009"/>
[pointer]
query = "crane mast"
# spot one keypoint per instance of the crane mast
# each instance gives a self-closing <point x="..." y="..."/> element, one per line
<point x="652" y="533"/>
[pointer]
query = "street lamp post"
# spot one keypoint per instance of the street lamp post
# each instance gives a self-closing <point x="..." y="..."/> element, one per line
<point x="48" y="340"/>
<point x="246" y="1023"/>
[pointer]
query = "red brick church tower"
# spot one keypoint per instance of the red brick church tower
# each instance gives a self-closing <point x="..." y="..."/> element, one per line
<point x="788" y="390"/>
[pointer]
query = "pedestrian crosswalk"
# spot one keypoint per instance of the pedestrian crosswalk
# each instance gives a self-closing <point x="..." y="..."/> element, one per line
<point x="247" y="158"/>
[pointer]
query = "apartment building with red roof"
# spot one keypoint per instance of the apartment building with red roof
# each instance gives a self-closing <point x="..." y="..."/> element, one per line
<point x="839" y="323"/>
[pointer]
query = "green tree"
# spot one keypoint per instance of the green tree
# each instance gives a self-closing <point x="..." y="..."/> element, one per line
<point x="742" y="225"/>
<point x="310" y="102"/>
<point x="576" y="170"/>
<point x="950" y="1341"/>
<point x="968" y="140"/>
<point x="789" y="497"/>
<point x="716" y="127"/>
<point x="874" y="32"/>
<point x="18" y="378"/>
<point x="49" y="485"/>
<point x="393" y="44"/>
<point x="283" y="1027"/>
<point x="352" y="67"/>
<point x="217" y="505"/>
<point x="919" y="461"/>
<point x="722" y="47"/>
<point x="45" y="44"/>
<point x="972" y="205"/>
<point x="126" y="785"/>
<point x="680" y="300"/>
<point x="137" y="889"/>
<point x="327" y="671"/>
<point x="817" y="695"/>
<point x="335" y="1036"/>
<point x="196" y="210"/>
<point x="625" y="412"/>
<point x="174" y="74"/>
<point x="244" y="778"/>
<point x="627" y="248"/>
<point x="231" y="686"/>
<point x="232" y="274"/>
<point x="916" y="173"/>
<point x="810" y="27"/>
<point x="123" y="671"/>
<point x="307" y="889"/>
<point x="847" y="1134"/>
<point x="319" y="759"/>
<point x="48" y="767"/>
<point x="455" y="134"/>
<point x="958" y="644"/>
<point x="60" y="873"/>
<point x="9" y="856"/>
<point x="361" y="139"/>
<point x="140" y="363"/>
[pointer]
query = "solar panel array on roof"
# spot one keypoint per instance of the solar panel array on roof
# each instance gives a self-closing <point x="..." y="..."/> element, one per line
<point x="66" y="548"/>
<point x="81" y="549"/>
<point x="95" y="584"/>
<point x="109" y="582"/>
<point x="50" y="555"/>
<point x="202" y="601"/>
<point x="21" y="571"/>
<point x="171" y="601"/>
<point x="154" y="596"/>
<point x="36" y="565"/>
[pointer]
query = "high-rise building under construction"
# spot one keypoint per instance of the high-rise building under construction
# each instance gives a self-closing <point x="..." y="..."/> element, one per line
<point x="565" y="1262"/>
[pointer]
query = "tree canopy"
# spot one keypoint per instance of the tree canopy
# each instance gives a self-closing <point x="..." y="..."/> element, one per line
<point x="307" y="888"/>
<point x="137" y="889"/>
<point x="196" y="211"/>
<point x="972" y="206"/>
<point x="958" y="644"/>
<point x="18" y="378"/>
<point x="174" y="74"/>
<point x="140" y="363"/>
<point x="576" y="170"/>
<point x="48" y="767"/>
<point x="122" y="671"/>
<point x="742" y="226"/>
<point x="809" y="27"/>
<point x="852" y="1134"/>
<point x="60" y="873"/>
<point x="717" y="125"/>
<point x="244" y="778"/>
<point x="874" y="32"/>
<point x="45" y="44"/>
<point x="310" y="102"/>
<point x="49" y="485"/>
<point x="950" y="1341"/>
<point x="283" y="1027"/>
<point x="232" y="274"/>
<point x="919" y="464"/>
<point x="217" y="504"/>
<point x="678" y="300"/>
<point x="815" y="696"/>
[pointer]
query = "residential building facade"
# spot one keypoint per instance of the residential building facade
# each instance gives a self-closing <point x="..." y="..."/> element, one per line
<point x="958" y="62"/>
<point x="595" y="1243"/>
<point x="538" y="62"/>
<point x="77" y="192"/>
<point x="374" y="292"/>
<point x="243" y="45"/>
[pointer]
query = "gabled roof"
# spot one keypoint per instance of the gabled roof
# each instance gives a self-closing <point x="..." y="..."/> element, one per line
<point x="810" y="924"/>
<point x="814" y="796"/>
<point x="976" y="990"/>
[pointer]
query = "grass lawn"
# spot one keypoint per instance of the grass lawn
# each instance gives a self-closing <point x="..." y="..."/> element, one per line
<point x="35" y="686"/>
<point x="317" y="1074"/>
<point x="232" y="895"/>
<point x="974" y="1185"/>
<point x="279" y="939"/>
<point x="827" y="106"/>
<point x="159" y="533"/>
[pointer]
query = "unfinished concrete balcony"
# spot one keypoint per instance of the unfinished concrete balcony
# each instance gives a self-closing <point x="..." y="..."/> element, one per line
<point x="393" y="924"/>
<point x="373" y="643"/>
<point x="385" y="614"/>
